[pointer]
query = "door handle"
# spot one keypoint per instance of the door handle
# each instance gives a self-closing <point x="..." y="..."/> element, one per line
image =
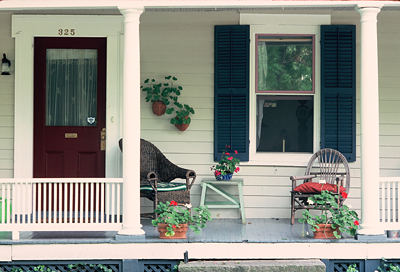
<point x="103" y="139"/>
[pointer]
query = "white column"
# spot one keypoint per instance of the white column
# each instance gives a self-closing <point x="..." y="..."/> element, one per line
<point x="369" y="122"/>
<point x="131" y="124"/>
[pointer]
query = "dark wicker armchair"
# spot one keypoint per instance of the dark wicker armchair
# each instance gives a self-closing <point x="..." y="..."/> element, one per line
<point x="156" y="174"/>
<point x="327" y="164"/>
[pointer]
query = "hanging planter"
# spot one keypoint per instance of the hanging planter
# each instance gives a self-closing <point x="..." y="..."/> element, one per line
<point x="182" y="119"/>
<point x="159" y="108"/>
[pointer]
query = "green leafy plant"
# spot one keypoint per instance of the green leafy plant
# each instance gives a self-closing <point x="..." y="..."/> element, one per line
<point x="171" y="214"/>
<point x="387" y="267"/>
<point x="182" y="114"/>
<point x="227" y="164"/>
<point x="342" y="217"/>
<point x="352" y="268"/>
<point x="161" y="92"/>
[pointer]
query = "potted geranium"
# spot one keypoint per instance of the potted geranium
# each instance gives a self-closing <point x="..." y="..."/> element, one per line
<point x="227" y="166"/>
<point x="333" y="218"/>
<point x="173" y="221"/>
<point x="160" y="94"/>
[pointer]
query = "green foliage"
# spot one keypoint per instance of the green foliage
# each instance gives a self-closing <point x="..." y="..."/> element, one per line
<point x="285" y="67"/>
<point x="385" y="267"/>
<point x="331" y="213"/>
<point x="352" y="268"/>
<point x="71" y="267"/>
<point x="173" y="215"/>
<point x="227" y="164"/>
<point x="182" y="114"/>
<point x="161" y="92"/>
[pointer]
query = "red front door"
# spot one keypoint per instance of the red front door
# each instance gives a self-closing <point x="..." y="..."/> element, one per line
<point x="69" y="107"/>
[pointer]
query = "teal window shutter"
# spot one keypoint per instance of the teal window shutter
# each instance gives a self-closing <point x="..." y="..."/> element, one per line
<point x="338" y="89"/>
<point x="231" y="90"/>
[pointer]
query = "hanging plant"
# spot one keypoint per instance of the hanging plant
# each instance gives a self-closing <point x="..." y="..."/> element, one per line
<point x="160" y="94"/>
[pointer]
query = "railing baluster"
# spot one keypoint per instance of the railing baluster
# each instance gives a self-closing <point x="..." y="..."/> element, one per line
<point x="112" y="193"/>
<point x="9" y="202"/>
<point x="92" y="200"/>
<point x="118" y="203"/>
<point x="35" y="206"/>
<point x="86" y="202"/>
<point x="102" y="202"/>
<point x="3" y="202"/>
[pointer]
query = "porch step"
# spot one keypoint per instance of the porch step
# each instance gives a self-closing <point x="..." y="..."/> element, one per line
<point x="254" y="266"/>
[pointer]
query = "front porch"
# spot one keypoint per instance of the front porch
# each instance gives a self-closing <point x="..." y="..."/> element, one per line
<point x="222" y="239"/>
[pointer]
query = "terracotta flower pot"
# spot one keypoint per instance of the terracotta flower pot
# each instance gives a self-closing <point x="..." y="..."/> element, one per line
<point x="182" y="127"/>
<point x="180" y="232"/>
<point x="325" y="231"/>
<point x="158" y="108"/>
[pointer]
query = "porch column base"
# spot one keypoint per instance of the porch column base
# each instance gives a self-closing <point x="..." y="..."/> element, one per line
<point x="376" y="237"/>
<point x="130" y="230"/>
<point x="369" y="232"/>
<point x="129" y="238"/>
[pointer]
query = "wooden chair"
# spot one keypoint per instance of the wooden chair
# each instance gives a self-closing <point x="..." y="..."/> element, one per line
<point x="156" y="174"/>
<point x="327" y="164"/>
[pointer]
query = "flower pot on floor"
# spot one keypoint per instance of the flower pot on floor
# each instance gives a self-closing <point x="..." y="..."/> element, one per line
<point x="180" y="232"/>
<point x="325" y="231"/>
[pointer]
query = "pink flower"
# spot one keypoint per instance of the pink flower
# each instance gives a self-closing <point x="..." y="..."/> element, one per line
<point x="226" y="153"/>
<point x="173" y="203"/>
<point x="237" y="169"/>
<point x="227" y="146"/>
<point x="236" y="152"/>
<point x="230" y="158"/>
<point x="217" y="173"/>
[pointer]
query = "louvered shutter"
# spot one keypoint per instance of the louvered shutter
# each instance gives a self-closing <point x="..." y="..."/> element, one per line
<point x="338" y="89"/>
<point x="231" y="90"/>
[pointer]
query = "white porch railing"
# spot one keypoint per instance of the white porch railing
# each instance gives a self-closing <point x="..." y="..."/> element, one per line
<point x="81" y="204"/>
<point x="389" y="202"/>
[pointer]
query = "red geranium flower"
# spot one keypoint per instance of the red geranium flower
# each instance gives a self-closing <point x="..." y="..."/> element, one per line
<point x="356" y="223"/>
<point x="237" y="169"/>
<point x="217" y="173"/>
<point x="236" y="152"/>
<point x="174" y="226"/>
<point x="230" y="158"/>
<point x="344" y="194"/>
<point x="226" y="153"/>
<point x="173" y="203"/>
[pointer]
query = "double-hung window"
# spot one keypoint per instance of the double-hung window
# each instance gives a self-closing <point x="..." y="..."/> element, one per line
<point x="284" y="88"/>
<point x="284" y="93"/>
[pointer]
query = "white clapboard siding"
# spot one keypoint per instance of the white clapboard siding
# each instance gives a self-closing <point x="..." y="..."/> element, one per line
<point x="7" y="101"/>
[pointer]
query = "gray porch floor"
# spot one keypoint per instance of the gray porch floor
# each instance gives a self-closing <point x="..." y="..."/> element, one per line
<point x="217" y="231"/>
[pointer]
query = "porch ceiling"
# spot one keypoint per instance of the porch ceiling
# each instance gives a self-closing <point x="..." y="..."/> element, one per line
<point x="293" y="6"/>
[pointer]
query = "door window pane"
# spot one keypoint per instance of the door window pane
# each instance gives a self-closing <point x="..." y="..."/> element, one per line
<point x="71" y="87"/>
<point x="285" y="123"/>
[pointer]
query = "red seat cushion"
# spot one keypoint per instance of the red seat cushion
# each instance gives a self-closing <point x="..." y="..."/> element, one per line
<point x="316" y="187"/>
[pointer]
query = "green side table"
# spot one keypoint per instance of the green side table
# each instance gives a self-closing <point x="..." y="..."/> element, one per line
<point x="231" y="201"/>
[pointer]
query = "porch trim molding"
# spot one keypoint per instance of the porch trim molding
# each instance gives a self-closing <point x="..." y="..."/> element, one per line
<point x="369" y="121"/>
<point x="131" y="123"/>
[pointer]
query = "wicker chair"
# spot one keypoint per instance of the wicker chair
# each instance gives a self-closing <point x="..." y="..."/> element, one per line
<point x="156" y="174"/>
<point x="327" y="164"/>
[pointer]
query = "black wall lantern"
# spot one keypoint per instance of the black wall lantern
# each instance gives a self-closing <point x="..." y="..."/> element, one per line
<point x="5" y="65"/>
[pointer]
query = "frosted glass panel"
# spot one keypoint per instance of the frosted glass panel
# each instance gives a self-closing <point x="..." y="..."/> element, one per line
<point x="71" y="87"/>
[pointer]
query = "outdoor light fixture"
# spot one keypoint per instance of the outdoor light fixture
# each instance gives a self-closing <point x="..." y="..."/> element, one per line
<point x="5" y="65"/>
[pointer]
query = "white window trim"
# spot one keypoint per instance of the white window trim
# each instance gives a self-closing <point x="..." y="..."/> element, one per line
<point x="283" y="24"/>
<point x="24" y="29"/>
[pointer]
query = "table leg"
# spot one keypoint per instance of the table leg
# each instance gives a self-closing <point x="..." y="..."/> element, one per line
<point x="203" y="194"/>
<point x="240" y="188"/>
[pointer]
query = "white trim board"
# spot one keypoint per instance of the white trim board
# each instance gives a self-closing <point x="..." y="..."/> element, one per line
<point x="24" y="29"/>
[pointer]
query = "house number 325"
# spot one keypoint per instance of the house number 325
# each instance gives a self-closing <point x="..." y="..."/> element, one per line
<point x="66" y="32"/>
